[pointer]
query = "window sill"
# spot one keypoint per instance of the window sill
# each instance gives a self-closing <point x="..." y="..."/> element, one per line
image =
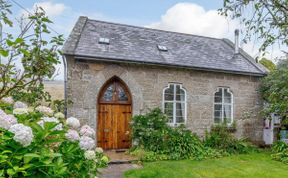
<point x="229" y="128"/>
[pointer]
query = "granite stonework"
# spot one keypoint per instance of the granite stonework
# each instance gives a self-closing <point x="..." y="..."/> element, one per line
<point x="146" y="83"/>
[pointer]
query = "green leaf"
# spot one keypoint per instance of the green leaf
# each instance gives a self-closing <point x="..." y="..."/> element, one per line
<point x="11" y="172"/>
<point x="29" y="156"/>
<point x="19" y="40"/>
<point x="4" y="53"/>
<point x="9" y="42"/>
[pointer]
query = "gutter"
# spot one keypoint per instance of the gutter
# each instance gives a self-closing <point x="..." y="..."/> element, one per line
<point x="65" y="85"/>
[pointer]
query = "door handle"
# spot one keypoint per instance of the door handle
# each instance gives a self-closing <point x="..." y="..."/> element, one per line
<point x="106" y="130"/>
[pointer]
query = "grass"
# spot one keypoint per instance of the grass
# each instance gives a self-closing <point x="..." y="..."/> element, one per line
<point x="254" y="165"/>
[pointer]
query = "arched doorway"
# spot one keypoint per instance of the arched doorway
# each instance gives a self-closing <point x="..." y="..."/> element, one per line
<point x="114" y="114"/>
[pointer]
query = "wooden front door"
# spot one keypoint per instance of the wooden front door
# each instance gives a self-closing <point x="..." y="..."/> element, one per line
<point x="114" y="114"/>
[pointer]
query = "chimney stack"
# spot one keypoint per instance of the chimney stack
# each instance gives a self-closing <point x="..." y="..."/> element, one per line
<point x="236" y="41"/>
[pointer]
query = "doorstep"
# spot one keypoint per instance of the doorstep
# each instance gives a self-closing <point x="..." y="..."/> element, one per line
<point x="119" y="156"/>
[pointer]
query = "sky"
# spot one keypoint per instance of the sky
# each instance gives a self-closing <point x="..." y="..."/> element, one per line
<point x="199" y="17"/>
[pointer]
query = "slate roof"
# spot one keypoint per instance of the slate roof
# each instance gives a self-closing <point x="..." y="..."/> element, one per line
<point x="139" y="45"/>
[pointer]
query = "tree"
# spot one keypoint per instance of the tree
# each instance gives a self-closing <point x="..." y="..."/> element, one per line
<point x="29" y="48"/>
<point x="268" y="64"/>
<point x="267" y="19"/>
<point x="274" y="89"/>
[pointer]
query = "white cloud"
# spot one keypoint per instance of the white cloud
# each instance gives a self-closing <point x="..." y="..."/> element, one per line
<point x="51" y="9"/>
<point x="194" y="19"/>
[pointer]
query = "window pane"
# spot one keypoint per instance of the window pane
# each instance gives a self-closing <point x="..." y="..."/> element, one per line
<point x="217" y="114"/>
<point x="227" y="111"/>
<point x="218" y="107"/>
<point x="218" y="96"/>
<point x="227" y="100"/>
<point x="226" y="93"/>
<point x="180" y="119"/>
<point x="121" y="94"/>
<point x="169" y="97"/>
<point x="227" y="96"/>
<point x="180" y="106"/>
<point x="219" y="93"/>
<point x="217" y="99"/>
<point x="179" y="113"/>
<point x="180" y="94"/>
<point x="108" y="94"/>
<point x="169" y="93"/>
<point x="168" y="109"/>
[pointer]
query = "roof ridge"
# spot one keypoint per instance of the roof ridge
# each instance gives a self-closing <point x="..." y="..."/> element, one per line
<point x="154" y="29"/>
<point x="246" y="56"/>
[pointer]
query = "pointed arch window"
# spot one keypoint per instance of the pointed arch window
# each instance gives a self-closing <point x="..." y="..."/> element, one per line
<point x="115" y="91"/>
<point x="174" y="104"/>
<point x="223" y="106"/>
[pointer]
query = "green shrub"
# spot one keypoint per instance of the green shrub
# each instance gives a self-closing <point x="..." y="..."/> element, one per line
<point x="151" y="132"/>
<point x="280" y="151"/>
<point x="155" y="140"/>
<point x="221" y="138"/>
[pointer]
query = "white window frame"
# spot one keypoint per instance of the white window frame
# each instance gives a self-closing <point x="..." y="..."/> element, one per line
<point x="174" y="101"/>
<point x="223" y="104"/>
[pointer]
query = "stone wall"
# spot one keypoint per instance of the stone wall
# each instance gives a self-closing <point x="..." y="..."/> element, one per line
<point x="146" y="84"/>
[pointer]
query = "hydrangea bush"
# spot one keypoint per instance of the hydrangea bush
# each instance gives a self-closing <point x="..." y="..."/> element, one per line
<point x="40" y="143"/>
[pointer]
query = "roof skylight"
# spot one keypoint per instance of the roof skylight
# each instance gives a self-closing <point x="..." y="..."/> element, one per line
<point x="162" y="48"/>
<point x="104" y="40"/>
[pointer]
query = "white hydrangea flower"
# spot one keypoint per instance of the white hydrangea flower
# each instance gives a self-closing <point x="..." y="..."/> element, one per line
<point x="73" y="122"/>
<point x="11" y="119"/>
<point x="30" y="109"/>
<point x="2" y="113"/>
<point x="89" y="155"/>
<point x="59" y="115"/>
<point x="4" y="124"/>
<point x="86" y="130"/>
<point x="22" y="134"/>
<point x="99" y="150"/>
<point x="6" y="120"/>
<point x="19" y="104"/>
<point x="58" y="127"/>
<point x="8" y="100"/>
<point x="50" y="119"/>
<point x="19" y="111"/>
<point x="72" y="135"/>
<point x="86" y="143"/>
<point x="45" y="110"/>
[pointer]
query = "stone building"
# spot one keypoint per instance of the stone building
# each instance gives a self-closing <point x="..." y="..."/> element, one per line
<point x="116" y="71"/>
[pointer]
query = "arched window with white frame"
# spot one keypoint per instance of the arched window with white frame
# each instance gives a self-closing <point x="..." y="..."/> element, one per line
<point x="174" y="104"/>
<point x="223" y="106"/>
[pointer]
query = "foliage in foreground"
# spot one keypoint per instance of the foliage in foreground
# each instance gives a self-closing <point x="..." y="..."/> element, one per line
<point x="266" y="20"/>
<point x="280" y="151"/>
<point x="29" y="57"/>
<point x="155" y="140"/>
<point x="274" y="90"/>
<point x="268" y="64"/>
<point x="37" y="142"/>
